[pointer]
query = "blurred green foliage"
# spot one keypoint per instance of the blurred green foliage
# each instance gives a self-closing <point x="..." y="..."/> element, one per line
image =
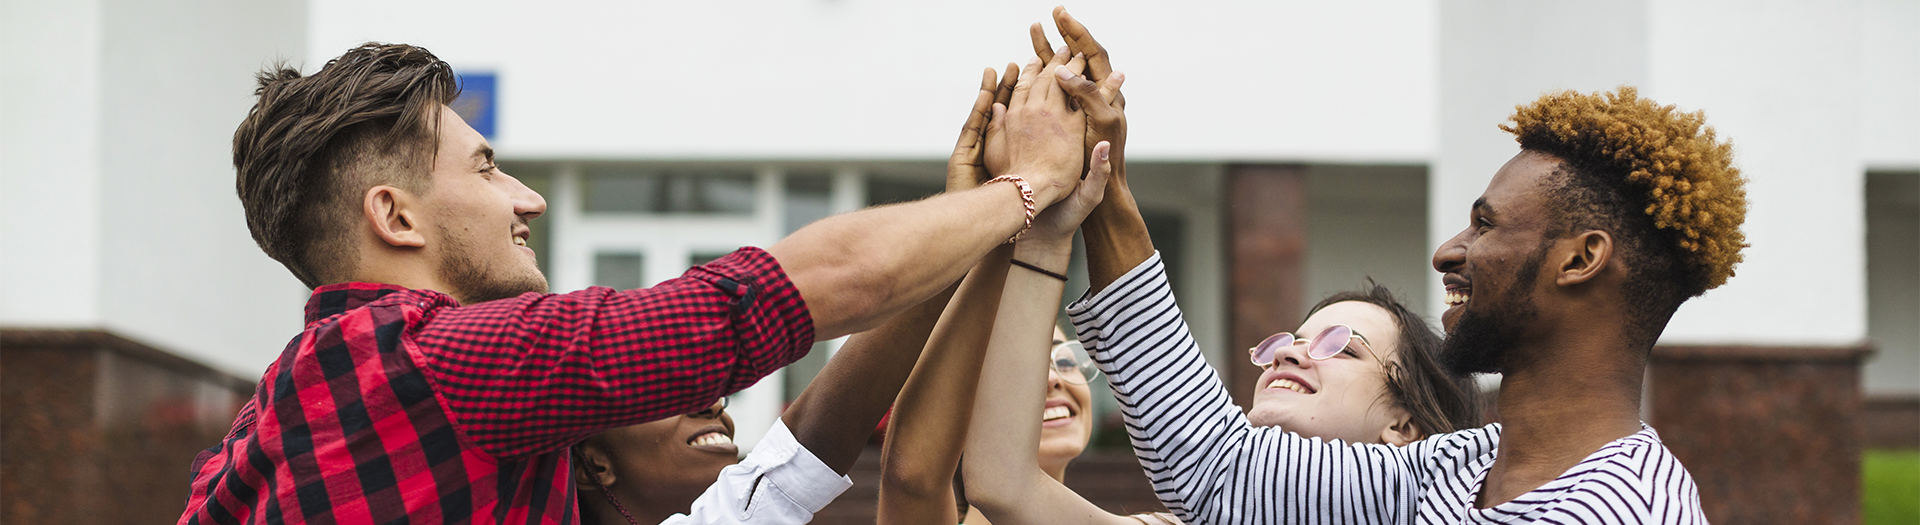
<point x="1892" y="487"/>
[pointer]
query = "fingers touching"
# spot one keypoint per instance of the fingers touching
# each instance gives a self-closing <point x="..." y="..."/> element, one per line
<point x="1004" y="92"/>
<point x="1081" y="41"/>
<point x="1047" y="86"/>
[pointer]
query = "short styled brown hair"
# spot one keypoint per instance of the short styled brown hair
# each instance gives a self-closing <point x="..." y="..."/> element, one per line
<point x="311" y="145"/>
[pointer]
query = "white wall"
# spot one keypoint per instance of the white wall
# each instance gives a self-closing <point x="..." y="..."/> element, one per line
<point x="115" y="140"/>
<point x="50" y="162"/>
<point x="1890" y="76"/>
<point x="118" y="150"/>
<point x="870" y="79"/>
<point x="1496" y="54"/>
<point x="1784" y="81"/>
<point x="1779" y="79"/>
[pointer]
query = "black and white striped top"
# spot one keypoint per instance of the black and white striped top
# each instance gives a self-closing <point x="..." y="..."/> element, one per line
<point x="1211" y="467"/>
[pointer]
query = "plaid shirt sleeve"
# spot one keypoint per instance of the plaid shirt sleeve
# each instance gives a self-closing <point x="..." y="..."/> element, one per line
<point x="537" y="373"/>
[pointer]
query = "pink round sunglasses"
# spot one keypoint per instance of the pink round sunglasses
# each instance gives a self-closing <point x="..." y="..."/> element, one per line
<point x="1328" y="344"/>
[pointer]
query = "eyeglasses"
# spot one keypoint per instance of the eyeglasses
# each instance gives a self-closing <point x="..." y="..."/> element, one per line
<point x="1070" y="360"/>
<point x="1329" y="343"/>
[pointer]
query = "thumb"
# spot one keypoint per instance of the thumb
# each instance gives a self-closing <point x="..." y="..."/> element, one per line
<point x="1099" y="170"/>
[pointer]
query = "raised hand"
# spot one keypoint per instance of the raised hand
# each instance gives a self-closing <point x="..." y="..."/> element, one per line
<point x="1107" y="121"/>
<point x="1116" y="235"/>
<point x="1057" y="223"/>
<point x="1043" y="135"/>
<point x="969" y="165"/>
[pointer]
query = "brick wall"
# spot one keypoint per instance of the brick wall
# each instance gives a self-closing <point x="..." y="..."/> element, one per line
<point x="96" y="428"/>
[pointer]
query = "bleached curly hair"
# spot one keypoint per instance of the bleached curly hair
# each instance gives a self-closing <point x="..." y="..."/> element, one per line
<point x="1655" y="177"/>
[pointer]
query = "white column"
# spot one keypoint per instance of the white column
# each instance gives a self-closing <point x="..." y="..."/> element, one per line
<point x="755" y="408"/>
<point x="1789" y="106"/>
<point x="849" y="189"/>
<point x="50" y="139"/>
<point x="572" y="262"/>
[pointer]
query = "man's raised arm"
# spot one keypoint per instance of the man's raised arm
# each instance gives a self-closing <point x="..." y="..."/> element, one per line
<point x="856" y="269"/>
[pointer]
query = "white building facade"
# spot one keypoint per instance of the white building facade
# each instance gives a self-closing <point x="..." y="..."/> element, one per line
<point x="666" y="134"/>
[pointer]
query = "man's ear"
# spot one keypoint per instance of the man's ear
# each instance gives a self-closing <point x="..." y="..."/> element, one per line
<point x="591" y="465"/>
<point x="393" y="214"/>
<point x="1584" y="256"/>
<point x="1403" y="430"/>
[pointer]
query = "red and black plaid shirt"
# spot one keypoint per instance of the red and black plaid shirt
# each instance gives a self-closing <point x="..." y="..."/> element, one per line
<point x="401" y="406"/>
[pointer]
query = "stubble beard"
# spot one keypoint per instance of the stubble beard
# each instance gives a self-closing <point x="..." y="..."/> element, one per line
<point x="1482" y="340"/>
<point x="474" y="281"/>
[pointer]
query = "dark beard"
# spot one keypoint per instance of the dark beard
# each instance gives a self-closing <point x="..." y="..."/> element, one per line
<point x="1481" y="340"/>
<point x="474" y="283"/>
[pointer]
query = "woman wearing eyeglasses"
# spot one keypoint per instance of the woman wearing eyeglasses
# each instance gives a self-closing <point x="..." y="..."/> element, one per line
<point x="1367" y="374"/>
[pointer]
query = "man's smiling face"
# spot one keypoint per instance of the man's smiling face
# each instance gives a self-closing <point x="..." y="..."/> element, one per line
<point x="1491" y="269"/>
<point x="479" y="216"/>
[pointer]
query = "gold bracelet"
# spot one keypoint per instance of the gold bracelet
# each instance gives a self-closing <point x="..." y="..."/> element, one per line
<point x="1026" y="199"/>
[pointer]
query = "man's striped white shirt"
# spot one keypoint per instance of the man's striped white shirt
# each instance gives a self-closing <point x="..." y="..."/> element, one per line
<point x="1210" y="466"/>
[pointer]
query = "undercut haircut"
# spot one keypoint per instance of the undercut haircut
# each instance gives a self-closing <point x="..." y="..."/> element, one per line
<point x="1437" y="401"/>
<point x="311" y="147"/>
<point x="1655" y="178"/>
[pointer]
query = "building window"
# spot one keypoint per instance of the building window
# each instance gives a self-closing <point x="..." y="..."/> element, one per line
<point x="619" y="271"/>
<point x="809" y="198"/>
<point x="625" y="189"/>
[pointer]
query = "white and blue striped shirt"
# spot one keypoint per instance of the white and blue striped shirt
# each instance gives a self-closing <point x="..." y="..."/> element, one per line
<point x="1210" y="466"/>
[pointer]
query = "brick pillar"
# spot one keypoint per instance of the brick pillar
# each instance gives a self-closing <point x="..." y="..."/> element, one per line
<point x="1267" y="254"/>
<point x="95" y="428"/>
<point x="1771" y="434"/>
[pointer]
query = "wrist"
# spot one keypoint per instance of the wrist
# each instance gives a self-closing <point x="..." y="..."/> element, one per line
<point x="1027" y="202"/>
<point x="1050" y="253"/>
<point x="1047" y="190"/>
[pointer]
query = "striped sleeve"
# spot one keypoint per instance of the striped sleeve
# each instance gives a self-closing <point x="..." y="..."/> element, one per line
<point x="1207" y="464"/>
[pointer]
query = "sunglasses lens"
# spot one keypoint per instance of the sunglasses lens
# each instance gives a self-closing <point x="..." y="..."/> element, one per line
<point x="1330" y="342"/>
<point x="1263" y="354"/>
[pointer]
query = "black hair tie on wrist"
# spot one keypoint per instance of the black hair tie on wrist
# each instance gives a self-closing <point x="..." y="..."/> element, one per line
<point x="1043" y="271"/>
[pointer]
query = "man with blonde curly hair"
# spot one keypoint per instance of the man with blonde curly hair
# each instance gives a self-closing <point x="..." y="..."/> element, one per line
<point x="1615" y="211"/>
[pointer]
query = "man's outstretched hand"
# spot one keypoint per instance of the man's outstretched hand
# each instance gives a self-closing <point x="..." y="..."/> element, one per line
<point x="1042" y="134"/>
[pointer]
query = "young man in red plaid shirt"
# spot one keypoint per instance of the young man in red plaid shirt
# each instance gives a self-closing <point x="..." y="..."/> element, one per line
<point x="437" y="382"/>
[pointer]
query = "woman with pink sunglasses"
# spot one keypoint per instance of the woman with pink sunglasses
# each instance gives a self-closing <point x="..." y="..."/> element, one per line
<point x="1368" y="373"/>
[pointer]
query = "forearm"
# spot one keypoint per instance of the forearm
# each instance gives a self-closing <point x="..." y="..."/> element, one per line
<point x="1185" y="429"/>
<point x="1002" y="457"/>
<point x="929" y="423"/>
<point x="1115" y="233"/>
<point x="855" y="269"/>
<point x="836" y="413"/>
<point x="712" y="332"/>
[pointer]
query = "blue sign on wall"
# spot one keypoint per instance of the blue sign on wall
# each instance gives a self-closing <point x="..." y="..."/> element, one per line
<point x="476" y="102"/>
